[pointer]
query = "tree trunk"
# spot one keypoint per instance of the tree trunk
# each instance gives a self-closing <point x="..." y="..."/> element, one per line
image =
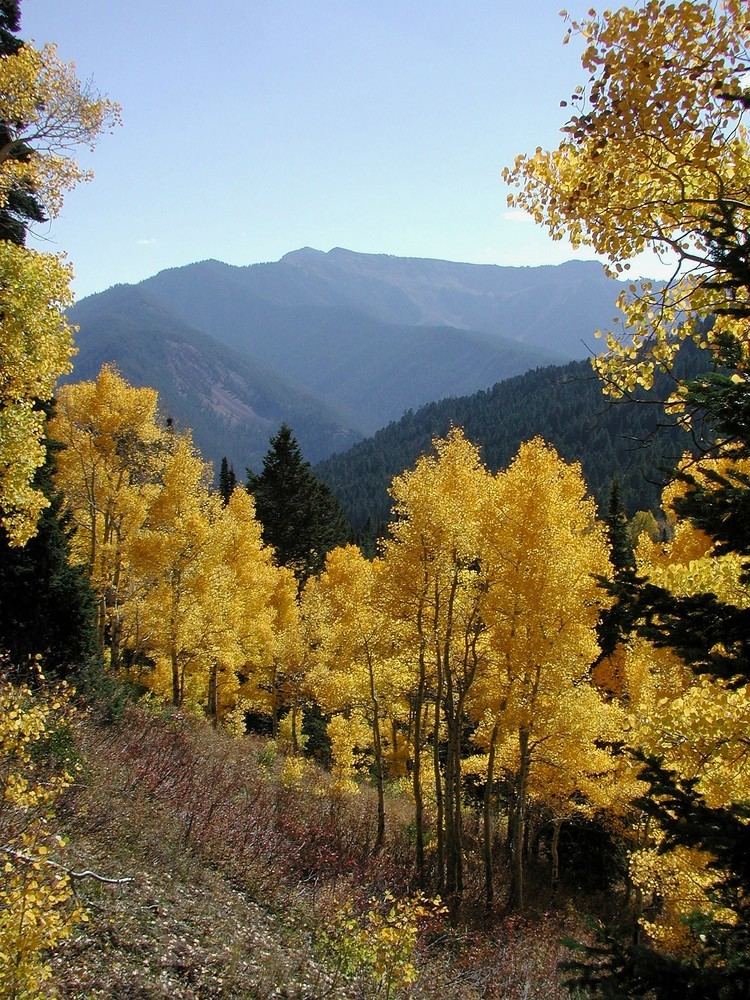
<point x="489" y="887"/>
<point x="295" y="739"/>
<point x="378" y="748"/>
<point x="417" y="781"/>
<point x="458" y="806"/>
<point x="439" y="798"/>
<point x="556" y="825"/>
<point x="274" y="705"/>
<point x="176" y="692"/>
<point x="517" y="893"/>
<point x="417" y="773"/>
<point x="213" y="695"/>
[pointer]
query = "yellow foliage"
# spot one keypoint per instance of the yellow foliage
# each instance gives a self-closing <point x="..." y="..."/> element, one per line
<point x="380" y="944"/>
<point x="183" y="581"/>
<point x="44" y="109"/>
<point x="37" y="906"/>
<point x="655" y="156"/>
<point x="682" y="880"/>
<point x="36" y="347"/>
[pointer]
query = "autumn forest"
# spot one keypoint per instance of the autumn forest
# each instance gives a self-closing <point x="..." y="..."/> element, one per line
<point x="500" y="752"/>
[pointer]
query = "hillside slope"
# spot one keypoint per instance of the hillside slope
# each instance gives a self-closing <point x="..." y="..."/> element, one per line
<point x="336" y="344"/>
<point x="553" y="308"/>
<point x="231" y="404"/>
<point x="630" y="440"/>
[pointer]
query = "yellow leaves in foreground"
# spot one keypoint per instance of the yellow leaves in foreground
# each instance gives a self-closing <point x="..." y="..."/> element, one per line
<point x="655" y="157"/>
<point x="36" y="347"/>
<point x="380" y="943"/>
<point x="46" y="107"/>
<point x="37" y="907"/>
<point x="45" y="112"/>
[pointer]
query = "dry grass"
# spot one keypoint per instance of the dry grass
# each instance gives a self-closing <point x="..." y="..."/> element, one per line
<point x="236" y="872"/>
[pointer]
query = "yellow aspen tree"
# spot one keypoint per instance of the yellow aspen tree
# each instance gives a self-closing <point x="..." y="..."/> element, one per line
<point x="109" y="470"/>
<point x="543" y="553"/>
<point x="573" y="773"/>
<point x="182" y="586"/>
<point x="655" y="156"/>
<point x="38" y="909"/>
<point x="435" y="578"/>
<point x="281" y="684"/>
<point x="245" y="630"/>
<point x="353" y="667"/>
<point x="695" y="723"/>
<point x="45" y="110"/>
<point x="36" y="345"/>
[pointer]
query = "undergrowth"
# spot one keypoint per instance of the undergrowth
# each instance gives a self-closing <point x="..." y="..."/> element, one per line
<point x="257" y="879"/>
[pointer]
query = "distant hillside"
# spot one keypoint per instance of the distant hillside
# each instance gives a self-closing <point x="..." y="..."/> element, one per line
<point x="336" y="344"/>
<point x="555" y="309"/>
<point x="631" y="440"/>
<point x="232" y="405"/>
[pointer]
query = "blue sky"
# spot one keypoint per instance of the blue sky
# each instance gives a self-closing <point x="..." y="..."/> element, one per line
<point x="254" y="128"/>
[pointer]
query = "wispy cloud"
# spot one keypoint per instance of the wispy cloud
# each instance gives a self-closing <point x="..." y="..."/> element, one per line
<point x="517" y="215"/>
<point x="146" y="242"/>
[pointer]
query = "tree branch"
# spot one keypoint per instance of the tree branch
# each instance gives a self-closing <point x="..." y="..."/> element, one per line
<point x="27" y="859"/>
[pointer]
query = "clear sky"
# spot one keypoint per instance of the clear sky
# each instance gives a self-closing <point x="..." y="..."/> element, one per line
<point x="254" y="127"/>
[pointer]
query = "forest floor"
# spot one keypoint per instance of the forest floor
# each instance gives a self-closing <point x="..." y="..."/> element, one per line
<point x="239" y="871"/>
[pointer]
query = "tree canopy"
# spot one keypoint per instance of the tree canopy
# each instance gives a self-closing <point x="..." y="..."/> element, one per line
<point x="301" y="518"/>
<point x="45" y="112"/>
<point x="656" y="156"/>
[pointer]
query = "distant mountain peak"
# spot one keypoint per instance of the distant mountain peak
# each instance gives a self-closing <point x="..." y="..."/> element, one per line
<point x="302" y="255"/>
<point x="336" y="342"/>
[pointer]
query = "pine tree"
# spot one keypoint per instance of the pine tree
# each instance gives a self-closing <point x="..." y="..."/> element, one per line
<point x="47" y="606"/>
<point x="616" y="619"/>
<point x="301" y="518"/>
<point x="20" y="205"/>
<point x="227" y="480"/>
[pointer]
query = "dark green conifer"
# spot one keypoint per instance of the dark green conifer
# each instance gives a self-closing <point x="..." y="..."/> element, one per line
<point x="301" y="518"/>
<point x="617" y="620"/>
<point x="47" y="607"/>
<point x="227" y="480"/>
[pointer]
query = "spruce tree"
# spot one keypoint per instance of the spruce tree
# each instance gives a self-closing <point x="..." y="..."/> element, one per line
<point x="47" y="607"/>
<point x="616" y="620"/>
<point x="20" y="206"/>
<point x="227" y="480"/>
<point x="301" y="518"/>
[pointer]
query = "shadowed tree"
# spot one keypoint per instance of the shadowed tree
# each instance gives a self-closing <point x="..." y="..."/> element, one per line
<point x="301" y="518"/>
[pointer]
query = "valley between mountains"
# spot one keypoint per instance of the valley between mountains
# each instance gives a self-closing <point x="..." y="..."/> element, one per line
<point x="335" y="344"/>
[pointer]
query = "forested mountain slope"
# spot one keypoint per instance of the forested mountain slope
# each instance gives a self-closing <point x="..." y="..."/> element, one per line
<point x="231" y="404"/>
<point x="370" y="370"/>
<point x="553" y="308"/>
<point x="633" y="441"/>
<point x="336" y="344"/>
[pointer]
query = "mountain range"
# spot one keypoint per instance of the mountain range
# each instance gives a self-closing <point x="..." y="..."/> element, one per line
<point x="335" y="344"/>
<point x="632" y="441"/>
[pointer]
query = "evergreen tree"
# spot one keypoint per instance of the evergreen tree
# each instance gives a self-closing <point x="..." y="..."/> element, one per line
<point x="301" y="518"/>
<point x="616" y="620"/>
<point x="46" y="605"/>
<point x="227" y="480"/>
<point x="20" y="205"/>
